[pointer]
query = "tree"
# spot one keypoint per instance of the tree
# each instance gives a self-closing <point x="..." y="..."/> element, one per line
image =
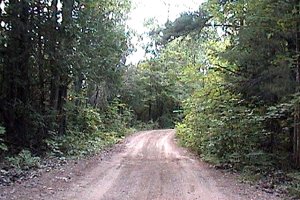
<point x="48" y="48"/>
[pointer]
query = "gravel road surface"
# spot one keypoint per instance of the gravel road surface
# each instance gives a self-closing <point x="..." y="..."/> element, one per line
<point x="149" y="166"/>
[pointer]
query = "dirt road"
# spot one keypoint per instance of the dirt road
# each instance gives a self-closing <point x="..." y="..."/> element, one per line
<point x="150" y="167"/>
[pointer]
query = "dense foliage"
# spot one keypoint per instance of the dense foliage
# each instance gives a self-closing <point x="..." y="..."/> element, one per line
<point x="61" y="63"/>
<point x="247" y="105"/>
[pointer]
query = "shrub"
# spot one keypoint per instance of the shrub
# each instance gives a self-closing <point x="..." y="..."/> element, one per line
<point x="219" y="127"/>
<point x="3" y="147"/>
<point x="90" y="131"/>
<point x="118" y="117"/>
<point x="24" y="160"/>
<point x="85" y="120"/>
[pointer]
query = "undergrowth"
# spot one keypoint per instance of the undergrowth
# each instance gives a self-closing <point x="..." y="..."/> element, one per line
<point x="251" y="140"/>
<point x="89" y="131"/>
<point x="23" y="161"/>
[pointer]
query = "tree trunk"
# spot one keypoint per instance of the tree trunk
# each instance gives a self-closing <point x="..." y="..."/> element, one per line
<point x="16" y="74"/>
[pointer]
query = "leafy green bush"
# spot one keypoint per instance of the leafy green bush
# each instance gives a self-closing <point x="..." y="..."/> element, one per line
<point x="3" y="147"/>
<point x="86" y="120"/>
<point x="24" y="160"/>
<point x="90" y="131"/>
<point x="219" y="127"/>
<point x="76" y="143"/>
<point x="118" y="117"/>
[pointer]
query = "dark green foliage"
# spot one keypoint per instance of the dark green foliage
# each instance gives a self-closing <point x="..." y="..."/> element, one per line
<point x="218" y="126"/>
<point x="56" y="59"/>
<point x="156" y="87"/>
<point x="184" y="25"/>
<point x="241" y="107"/>
<point x="152" y="92"/>
<point x="3" y="147"/>
<point x="261" y="51"/>
<point x="24" y="161"/>
<point x="118" y="117"/>
<point x="89" y="131"/>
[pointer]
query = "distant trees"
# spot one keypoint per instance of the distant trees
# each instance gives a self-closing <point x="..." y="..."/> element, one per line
<point x="156" y="88"/>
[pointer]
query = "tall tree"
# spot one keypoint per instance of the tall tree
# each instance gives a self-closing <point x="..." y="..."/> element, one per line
<point x="46" y="47"/>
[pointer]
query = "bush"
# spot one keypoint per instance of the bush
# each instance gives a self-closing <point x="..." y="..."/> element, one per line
<point x="118" y="117"/>
<point x="85" y="120"/>
<point x="3" y="147"/>
<point x="24" y="160"/>
<point x="78" y="144"/>
<point x="89" y="131"/>
<point x="219" y="127"/>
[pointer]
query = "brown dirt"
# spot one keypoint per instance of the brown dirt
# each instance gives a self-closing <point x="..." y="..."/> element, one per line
<point x="147" y="166"/>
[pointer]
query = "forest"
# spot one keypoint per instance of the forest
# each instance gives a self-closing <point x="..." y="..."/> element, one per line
<point x="226" y="76"/>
